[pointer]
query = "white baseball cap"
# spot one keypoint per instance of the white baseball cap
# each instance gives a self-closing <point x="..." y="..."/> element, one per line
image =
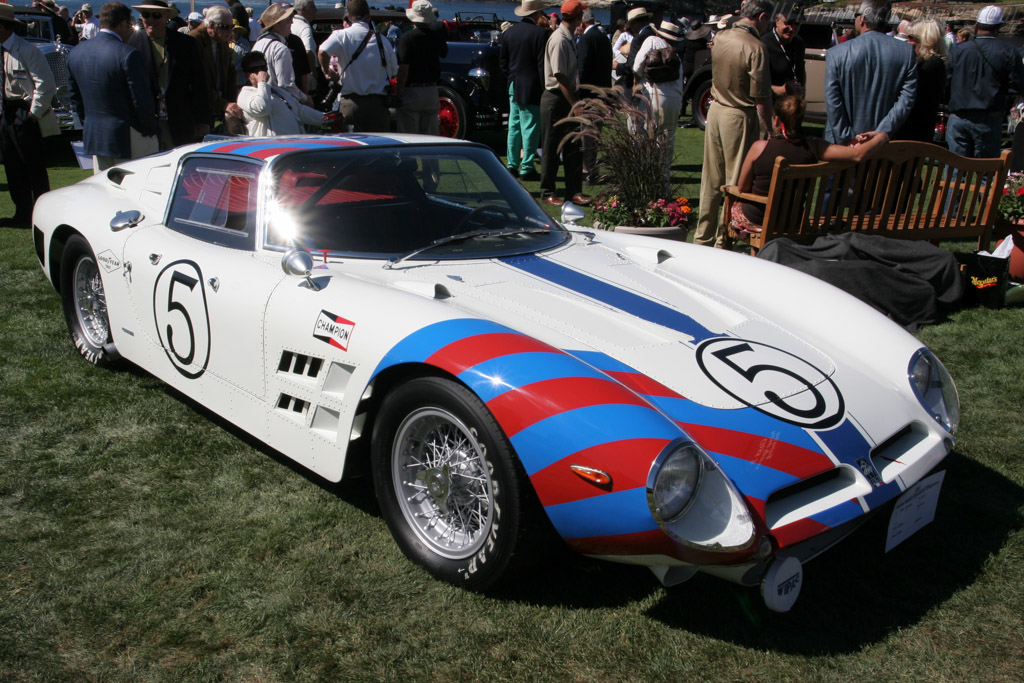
<point x="991" y="16"/>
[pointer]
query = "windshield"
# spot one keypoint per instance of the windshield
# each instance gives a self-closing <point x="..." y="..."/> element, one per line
<point x="397" y="202"/>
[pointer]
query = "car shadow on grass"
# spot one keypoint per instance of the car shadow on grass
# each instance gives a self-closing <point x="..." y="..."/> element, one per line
<point x="853" y="595"/>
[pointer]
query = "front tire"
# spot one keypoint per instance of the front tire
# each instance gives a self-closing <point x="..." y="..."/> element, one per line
<point x="85" y="303"/>
<point x="449" y="485"/>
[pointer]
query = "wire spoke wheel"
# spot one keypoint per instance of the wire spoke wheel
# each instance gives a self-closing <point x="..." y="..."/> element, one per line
<point x="90" y="302"/>
<point x="442" y="483"/>
<point x="450" y="487"/>
<point x="85" y="303"/>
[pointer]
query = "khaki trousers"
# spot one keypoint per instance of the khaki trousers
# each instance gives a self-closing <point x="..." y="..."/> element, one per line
<point x="729" y="134"/>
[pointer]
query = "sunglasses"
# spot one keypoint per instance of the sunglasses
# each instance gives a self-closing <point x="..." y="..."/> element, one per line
<point x="256" y="68"/>
<point x="224" y="27"/>
<point x="151" y="15"/>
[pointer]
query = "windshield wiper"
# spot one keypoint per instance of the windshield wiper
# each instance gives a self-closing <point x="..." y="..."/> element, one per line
<point x="472" y="234"/>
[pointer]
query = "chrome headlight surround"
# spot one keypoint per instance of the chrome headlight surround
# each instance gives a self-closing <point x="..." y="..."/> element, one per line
<point x="934" y="388"/>
<point x="694" y="503"/>
<point x="481" y="76"/>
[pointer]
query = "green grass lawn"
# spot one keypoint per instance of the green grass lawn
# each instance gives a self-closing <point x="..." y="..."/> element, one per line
<point x="143" y="539"/>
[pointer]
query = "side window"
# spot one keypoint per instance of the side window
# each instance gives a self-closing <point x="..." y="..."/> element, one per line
<point x="215" y="201"/>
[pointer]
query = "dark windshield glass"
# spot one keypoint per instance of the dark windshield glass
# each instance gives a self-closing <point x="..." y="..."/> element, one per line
<point x="384" y="202"/>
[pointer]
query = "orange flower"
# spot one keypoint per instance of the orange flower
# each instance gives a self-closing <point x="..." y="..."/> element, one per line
<point x="686" y="209"/>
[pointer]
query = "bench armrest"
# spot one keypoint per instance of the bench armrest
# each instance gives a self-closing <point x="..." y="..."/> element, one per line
<point x="734" y="191"/>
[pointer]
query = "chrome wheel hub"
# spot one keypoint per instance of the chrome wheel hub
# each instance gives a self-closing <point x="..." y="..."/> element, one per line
<point x="91" y="302"/>
<point x="441" y="482"/>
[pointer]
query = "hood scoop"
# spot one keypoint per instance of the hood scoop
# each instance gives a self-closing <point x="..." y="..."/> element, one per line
<point x="429" y="290"/>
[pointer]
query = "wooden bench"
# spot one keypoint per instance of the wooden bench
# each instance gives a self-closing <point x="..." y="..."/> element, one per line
<point x="909" y="190"/>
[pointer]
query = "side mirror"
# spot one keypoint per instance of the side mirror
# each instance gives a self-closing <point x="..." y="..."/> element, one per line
<point x="125" y="219"/>
<point x="299" y="262"/>
<point x="571" y="214"/>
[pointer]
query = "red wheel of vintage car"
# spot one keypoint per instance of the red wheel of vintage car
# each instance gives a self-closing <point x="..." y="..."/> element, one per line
<point x="451" y="111"/>
<point x="704" y="104"/>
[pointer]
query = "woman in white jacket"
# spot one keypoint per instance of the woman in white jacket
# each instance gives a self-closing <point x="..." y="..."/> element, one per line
<point x="270" y="110"/>
<point x="665" y="97"/>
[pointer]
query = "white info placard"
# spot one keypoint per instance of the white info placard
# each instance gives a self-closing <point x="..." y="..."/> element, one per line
<point x="914" y="509"/>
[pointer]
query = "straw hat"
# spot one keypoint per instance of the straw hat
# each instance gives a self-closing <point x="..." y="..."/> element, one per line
<point x="637" y="13"/>
<point x="275" y="14"/>
<point x="171" y="10"/>
<point x="529" y="7"/>
<point x="7" y="14"/>
<point x="670" y="32"/>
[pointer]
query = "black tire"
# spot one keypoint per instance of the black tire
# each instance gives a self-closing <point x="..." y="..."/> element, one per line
<point x="452" y="113"/>
<point x="466" y="510"/>
<point x="700" y="104"/>
<point x="85" y="303"/>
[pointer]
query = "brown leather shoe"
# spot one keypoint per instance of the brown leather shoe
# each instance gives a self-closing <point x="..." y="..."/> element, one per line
<point x="552" y="200"/>
<point x="580" y="199"/>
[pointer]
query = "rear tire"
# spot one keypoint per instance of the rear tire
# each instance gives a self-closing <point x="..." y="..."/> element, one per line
<point x="451" y="113"/>
<point x="85" y="303"/>
<point x="450" y="487"/>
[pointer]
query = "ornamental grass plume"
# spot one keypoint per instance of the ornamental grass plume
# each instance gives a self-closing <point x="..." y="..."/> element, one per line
<point x="631" y="147"/>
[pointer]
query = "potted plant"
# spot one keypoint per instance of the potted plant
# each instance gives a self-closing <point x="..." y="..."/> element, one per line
<point x="632" y="154"/>
<point x="1011" y="211"/>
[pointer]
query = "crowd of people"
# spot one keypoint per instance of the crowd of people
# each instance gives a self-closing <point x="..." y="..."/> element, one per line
<point x="169" y="80"/>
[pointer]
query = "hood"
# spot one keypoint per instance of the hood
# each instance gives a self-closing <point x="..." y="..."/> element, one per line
<point x="626" y="306"/>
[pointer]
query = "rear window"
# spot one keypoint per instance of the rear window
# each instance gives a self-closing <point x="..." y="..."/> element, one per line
<point x="215" y="201"/>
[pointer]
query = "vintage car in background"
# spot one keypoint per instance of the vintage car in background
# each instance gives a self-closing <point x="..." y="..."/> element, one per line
<point x="38" y="30"/>
<point x="473" y="91"/>
<point x="401" y="304"/>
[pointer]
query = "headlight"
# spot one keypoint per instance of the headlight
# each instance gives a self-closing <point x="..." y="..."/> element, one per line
<point x="481" y="76"/>
<point x="695" y="503"/>
<point x="935" y="389"/>
<point x="675" y="482"/>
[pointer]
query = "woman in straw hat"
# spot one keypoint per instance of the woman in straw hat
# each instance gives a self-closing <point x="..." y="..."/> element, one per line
<point x="273" y="43"/>
<point x="665" y="97"/>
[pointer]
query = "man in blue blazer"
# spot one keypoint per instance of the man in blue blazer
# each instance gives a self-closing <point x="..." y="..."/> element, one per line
<point x="870" y="81"/>
<point x="111" y="94"/>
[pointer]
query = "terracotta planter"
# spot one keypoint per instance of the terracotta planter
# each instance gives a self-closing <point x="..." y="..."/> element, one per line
<point x="1016" y="229"/>
<point x="668" y="233"/>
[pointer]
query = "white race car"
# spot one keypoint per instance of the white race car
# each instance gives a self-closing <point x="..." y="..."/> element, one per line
<point x="401" y="303"/>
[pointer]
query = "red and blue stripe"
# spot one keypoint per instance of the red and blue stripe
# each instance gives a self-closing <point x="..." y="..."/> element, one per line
<point x="264" y="148"/>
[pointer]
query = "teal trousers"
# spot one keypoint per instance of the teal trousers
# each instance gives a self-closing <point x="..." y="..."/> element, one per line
<point x="523" y="134"/>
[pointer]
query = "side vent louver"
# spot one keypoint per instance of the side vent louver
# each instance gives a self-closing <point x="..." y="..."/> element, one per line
<point x="292" y="405"/>
<point x="299" y="364"/>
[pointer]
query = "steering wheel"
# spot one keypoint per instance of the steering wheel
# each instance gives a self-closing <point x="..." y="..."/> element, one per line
<point x="468" y="218"/>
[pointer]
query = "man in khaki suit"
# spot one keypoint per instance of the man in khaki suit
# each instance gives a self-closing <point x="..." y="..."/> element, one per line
<point x="27" y="116"/>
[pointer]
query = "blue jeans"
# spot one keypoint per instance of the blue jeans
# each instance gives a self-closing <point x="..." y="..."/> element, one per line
<point x="523" y="134"/>
<point x="975" y="135"/>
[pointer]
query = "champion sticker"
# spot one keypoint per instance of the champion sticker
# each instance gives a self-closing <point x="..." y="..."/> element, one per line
<point x="333" y="329"/>
<point x="108" y="261"/>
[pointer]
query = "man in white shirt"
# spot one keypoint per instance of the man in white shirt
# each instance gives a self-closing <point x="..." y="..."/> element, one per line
<point x="91" y="26"/>
<point x="367" y="64"/>
<point x="305" y="14"/>
<point x="277" y="26"/>
<point x="25" y="117"/>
